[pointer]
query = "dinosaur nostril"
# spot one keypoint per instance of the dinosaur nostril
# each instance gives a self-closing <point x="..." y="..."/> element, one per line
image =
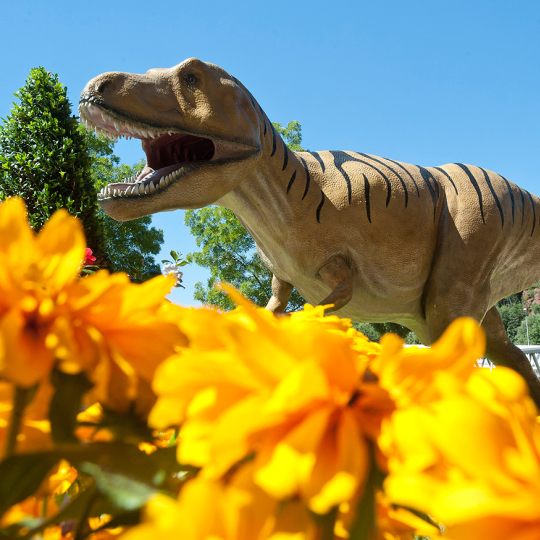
<point x="101" y="87"/>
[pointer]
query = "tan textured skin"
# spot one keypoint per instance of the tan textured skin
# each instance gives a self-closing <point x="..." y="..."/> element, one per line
<point x="382" y="240"/>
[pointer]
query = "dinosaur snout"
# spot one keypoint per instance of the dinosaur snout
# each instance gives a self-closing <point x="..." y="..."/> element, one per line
<point x="103" y="87"/>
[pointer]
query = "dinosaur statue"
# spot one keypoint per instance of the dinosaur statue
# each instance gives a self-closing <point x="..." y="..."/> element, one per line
<point x="379" y="239"/>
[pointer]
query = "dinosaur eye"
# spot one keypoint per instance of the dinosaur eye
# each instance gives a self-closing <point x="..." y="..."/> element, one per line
<point x="191" y="79"/>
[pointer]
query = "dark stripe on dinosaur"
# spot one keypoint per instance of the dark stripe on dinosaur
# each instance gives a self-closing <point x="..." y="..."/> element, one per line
<point x="285" y="155"/>
<point x="509" y="187"/>
<point x="340" y="154"/>
<point x="522" y="205"/>
<point x="534" y="211"/>
<point x="319" y="208"/>
<point x="403" y="168"/>
<point x="388" y="167"/>
<point x="427" y="177"/>
<point x="308" y="178"/>
<point x="366" y="191"/>
<point x="264" y="119"/>
<point x="476" y="187"/>
<point x="273" y="141"/>
<point x="319" y="159"/>
<point x="291" y="181"/>
<point x="447" y="176"/>
<point x="497" y="202"/>
<point x="388" y="184"/>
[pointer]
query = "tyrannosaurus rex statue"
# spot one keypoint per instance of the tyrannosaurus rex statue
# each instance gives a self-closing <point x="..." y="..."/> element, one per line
<point x="380" y="239"/>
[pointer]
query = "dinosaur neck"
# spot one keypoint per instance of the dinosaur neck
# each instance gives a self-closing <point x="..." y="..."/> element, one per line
<point x="261" y="200"/>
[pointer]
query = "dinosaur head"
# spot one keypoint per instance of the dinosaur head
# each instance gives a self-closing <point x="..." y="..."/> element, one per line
<point x="198" y="127"/>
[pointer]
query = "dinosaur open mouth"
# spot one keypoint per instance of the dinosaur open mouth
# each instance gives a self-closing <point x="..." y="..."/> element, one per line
<point x="169" y="151"/>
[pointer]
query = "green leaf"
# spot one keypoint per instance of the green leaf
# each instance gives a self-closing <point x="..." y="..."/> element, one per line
<point x="21" y="476"/>
<point x="174" y="255"/>
<point x="365" y="525"/>
<point x="123" y="491"/>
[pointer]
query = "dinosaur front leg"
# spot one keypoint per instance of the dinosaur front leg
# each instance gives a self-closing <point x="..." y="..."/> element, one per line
<point x="337" y="274"/>
<point x="281" y="292"/>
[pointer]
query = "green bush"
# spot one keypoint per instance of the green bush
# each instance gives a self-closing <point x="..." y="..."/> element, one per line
<point x="44" y="157"/>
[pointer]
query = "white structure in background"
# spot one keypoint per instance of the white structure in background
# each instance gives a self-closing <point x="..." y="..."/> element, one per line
<point x="532" y="352"/>
<point x="173" y="269"/>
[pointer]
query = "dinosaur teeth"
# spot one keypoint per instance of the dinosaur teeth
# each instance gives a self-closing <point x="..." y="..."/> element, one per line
<point x="162" y="183"/>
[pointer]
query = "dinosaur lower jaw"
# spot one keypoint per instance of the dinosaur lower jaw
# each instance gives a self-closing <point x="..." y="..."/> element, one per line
<point x="170" y="153"/>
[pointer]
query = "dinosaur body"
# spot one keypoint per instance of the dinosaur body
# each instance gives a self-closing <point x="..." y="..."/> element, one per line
<point x="379" y="239"/>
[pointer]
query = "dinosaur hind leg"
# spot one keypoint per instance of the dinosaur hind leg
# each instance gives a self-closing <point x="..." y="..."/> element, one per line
<point x="501" y="351"/>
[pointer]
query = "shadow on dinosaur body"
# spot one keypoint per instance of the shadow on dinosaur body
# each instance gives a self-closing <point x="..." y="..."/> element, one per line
<point x="380" y="239"/>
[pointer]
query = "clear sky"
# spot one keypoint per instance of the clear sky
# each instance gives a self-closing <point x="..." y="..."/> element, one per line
<point x="425" y="82"/>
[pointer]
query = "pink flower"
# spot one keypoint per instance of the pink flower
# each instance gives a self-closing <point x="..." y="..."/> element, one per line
<point x="88" y="257"/>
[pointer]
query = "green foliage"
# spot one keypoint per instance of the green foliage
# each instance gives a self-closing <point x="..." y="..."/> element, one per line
<point x="368" y="330"/>
<point x="292" y="133"/>
<point x="44" y="158"/>
<point x="512" y="315"/>
<point x="534" y="331"/>
<point x="513" y="309"/>
<point x="131" y="245"/>
<point x="229" y="252"/>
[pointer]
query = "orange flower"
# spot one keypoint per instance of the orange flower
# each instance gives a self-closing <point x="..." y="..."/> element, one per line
<point x="289" y="389"/>
<point x="464" y="444"/>
<point x="115" y="331"/>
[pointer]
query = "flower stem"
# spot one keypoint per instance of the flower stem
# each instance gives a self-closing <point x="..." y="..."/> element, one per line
<point x="19" y="403"/>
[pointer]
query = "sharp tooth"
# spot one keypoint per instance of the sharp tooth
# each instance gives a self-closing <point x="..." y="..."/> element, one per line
<point x="147" y="189"/>
<point x="162" y="183"/>
<point x="152" y="187"/>
<point x="104" y="116"/>
<point x="137" y="189"/>
<point x="169" y="132"/>
<point x="130" y="129"/>
<point x="117" y="126"/>
<point x="129" y="190"/>
<point x="144" y="133"/>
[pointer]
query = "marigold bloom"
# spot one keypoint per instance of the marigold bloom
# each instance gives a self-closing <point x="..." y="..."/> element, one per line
<point x="115" y="331"/>
<point x="464" y="444"/>
<point x="289" y="389"/>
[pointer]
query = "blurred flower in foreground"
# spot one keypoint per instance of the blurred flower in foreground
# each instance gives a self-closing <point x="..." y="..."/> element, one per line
<point x="103" y="324"/>
<point x="289" y="389"/>
<point x="464" y="444"/>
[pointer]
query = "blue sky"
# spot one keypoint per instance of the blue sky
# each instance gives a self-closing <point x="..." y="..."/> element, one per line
<point x="426" y="82"/>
